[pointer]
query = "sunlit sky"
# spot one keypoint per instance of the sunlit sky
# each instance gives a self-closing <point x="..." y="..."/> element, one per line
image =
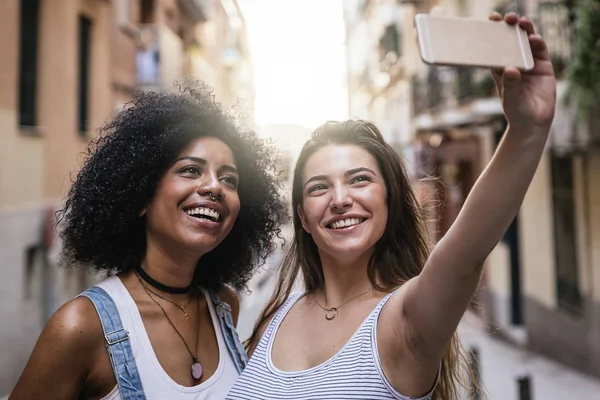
<point x="298" y="54"/>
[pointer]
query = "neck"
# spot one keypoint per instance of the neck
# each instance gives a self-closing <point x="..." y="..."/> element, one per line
<point x="176" y="272"/>
<point x="344" y="278"/>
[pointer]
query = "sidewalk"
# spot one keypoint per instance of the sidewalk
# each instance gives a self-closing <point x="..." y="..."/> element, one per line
<point x="501" y="364"/>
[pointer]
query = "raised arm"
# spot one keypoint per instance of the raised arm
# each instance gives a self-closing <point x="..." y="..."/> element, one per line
<point x="434" y="302"/>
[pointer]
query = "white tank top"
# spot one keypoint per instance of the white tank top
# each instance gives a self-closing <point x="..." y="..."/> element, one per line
<point x="157" y="383"/>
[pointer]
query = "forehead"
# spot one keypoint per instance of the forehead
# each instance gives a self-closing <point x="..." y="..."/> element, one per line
<point x="337" y="159"/>
<point x="211" y="149"/>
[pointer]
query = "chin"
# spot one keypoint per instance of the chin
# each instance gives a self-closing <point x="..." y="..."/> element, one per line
<point x="202" y="245"/>
<point x="348" y="253"/>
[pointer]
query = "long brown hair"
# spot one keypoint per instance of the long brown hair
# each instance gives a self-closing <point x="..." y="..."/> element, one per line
<point x="399" y="255"/>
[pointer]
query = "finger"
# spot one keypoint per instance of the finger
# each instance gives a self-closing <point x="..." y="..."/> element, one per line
<point x="496" y="16"/>
<point x="511" y="74"/>
<point x="511" y="18"/>
<point x="511" y="85"/>
<point x="538" y="47"/>
<point x="527" y="24"/>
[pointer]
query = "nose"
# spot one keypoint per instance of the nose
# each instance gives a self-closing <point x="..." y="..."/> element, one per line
<point x="341" y="199"/>
<point x="210" y="185"/>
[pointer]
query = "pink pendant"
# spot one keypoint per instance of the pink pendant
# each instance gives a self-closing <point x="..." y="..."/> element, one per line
<point x="197" y="370"/>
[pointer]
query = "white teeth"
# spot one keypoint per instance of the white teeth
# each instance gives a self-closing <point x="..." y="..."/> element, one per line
<point x="209" y="212"/>
<point x="345" y="223"/>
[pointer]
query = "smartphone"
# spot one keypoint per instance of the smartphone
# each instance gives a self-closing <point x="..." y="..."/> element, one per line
<point x="472" y="42"/>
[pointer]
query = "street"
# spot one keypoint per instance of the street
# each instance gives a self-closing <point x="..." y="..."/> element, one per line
<point x="502" y="364"/>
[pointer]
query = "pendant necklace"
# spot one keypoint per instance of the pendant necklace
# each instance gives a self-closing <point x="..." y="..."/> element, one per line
<point x="196" y="368"/>
<point x="332" y="312"/>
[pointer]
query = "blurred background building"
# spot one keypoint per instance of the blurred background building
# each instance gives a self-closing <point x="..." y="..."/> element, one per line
<point x="65" y="67"/>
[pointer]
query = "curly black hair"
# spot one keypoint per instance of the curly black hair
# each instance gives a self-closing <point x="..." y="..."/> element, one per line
<point x="101" y="227"/>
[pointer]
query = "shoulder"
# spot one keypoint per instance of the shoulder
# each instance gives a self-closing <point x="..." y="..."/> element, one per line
<point x="65" y="353"/>
<point x="75" y="325"/>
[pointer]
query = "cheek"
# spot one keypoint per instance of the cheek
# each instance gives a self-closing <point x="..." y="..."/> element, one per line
<point x="234" y="206"/>
<point x="312" y="212"/>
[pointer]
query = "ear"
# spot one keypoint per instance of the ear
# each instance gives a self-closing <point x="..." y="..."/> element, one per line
<point x="142" y="213"/>
<point x="302" y="217"/>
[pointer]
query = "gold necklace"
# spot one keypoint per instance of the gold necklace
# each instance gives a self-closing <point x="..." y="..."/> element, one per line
<point x="332" y="312"/>
<point x="181" y="307"/>
<point x="196" y="368"/>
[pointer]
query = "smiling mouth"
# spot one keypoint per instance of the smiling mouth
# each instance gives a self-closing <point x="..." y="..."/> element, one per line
<point x="204" y="213"/>
<point x="345" y="223"/>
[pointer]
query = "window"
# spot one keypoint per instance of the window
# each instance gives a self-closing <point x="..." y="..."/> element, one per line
<point x="389" y="42"/>
<point x="147" y="12"/>
<point x="85" y="27"/>
<point x="28" y="46"/>
<point x="565" y="241"/>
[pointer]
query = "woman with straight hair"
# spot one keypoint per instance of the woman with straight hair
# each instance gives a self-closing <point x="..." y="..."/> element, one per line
<point x="379" y="312"/>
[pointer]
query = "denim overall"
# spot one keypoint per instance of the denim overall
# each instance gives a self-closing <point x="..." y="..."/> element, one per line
<point x="119" y="347"/>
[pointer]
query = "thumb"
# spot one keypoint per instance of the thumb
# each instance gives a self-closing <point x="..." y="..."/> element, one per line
<point x="511" y="82"/>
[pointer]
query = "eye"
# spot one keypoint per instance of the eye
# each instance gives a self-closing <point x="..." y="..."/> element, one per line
<point x="230" y="180"/>
<point x="190" y="169"/>
<point x="361" y="178"/>
<point x="316" y="188"/>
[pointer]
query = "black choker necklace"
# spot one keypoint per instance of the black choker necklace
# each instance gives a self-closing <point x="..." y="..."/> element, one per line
<point x="162" y="286"/>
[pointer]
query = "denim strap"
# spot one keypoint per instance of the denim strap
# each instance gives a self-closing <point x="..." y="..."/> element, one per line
<point x="230" y="334"/>
<point x="117" y="344"/>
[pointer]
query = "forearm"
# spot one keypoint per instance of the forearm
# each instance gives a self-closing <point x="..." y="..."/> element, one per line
<point x="496" y="197"/>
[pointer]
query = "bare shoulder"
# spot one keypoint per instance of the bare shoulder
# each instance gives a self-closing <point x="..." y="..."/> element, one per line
<point x="75" y="326"/>
<point x="63" y="355"/>
<point x="229" y="296"/>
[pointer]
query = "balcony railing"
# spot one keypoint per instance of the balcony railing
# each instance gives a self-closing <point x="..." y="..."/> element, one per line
<point x="445" y="87"/>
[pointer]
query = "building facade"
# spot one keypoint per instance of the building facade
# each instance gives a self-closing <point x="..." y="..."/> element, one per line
<point x="55" y="87"/>
<point x="542" y="286"/>
<point x="199" y="39"/>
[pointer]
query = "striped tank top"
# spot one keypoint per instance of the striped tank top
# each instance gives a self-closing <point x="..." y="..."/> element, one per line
<point x="354" y="372"/>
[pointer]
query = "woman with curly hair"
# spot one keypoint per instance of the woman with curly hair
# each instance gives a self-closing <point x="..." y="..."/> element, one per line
<point x="378" y="316"/>
<point x="175" y="202"/>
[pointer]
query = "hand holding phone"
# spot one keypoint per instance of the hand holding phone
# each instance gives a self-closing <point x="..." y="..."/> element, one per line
<point x="472" y="42"/>
<point x="526" y="83"/>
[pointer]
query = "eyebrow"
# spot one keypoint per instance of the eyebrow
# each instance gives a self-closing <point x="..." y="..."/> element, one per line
<point x="350" y="172"/>
<point x="202" y="161"/>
